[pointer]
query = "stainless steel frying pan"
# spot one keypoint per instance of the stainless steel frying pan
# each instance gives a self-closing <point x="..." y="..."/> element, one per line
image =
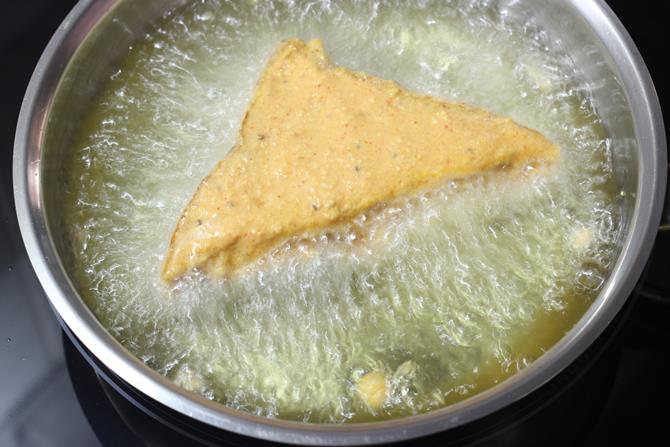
<point x="98" y="32"/>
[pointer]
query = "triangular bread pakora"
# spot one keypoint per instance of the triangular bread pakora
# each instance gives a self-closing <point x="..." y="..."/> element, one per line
<point x="321" y="144"/>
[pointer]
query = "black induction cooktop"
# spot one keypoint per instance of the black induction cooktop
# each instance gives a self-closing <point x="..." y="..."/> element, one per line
<point x="51" y="396"/>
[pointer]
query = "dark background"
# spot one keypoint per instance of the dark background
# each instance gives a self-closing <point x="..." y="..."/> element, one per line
<point x="37" y="403"/>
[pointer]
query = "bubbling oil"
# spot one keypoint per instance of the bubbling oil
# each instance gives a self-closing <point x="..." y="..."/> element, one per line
<point x="454" y="288"/>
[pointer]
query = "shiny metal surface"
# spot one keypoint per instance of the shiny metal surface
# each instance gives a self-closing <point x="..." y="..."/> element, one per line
<point x="98" y="32"/>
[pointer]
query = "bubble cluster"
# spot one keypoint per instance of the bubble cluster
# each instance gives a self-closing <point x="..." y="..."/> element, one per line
<point x="450" y="290"/>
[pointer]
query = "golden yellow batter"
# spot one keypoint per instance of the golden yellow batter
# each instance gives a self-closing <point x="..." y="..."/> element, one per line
<point x="372" y="388"/>
<point x="319" y="145"/>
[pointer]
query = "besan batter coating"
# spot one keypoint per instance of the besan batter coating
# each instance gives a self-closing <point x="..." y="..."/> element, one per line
<point x="319" y="145"/>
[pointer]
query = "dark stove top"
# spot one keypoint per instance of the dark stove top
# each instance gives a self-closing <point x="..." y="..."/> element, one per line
<point x="612" y="394"/>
